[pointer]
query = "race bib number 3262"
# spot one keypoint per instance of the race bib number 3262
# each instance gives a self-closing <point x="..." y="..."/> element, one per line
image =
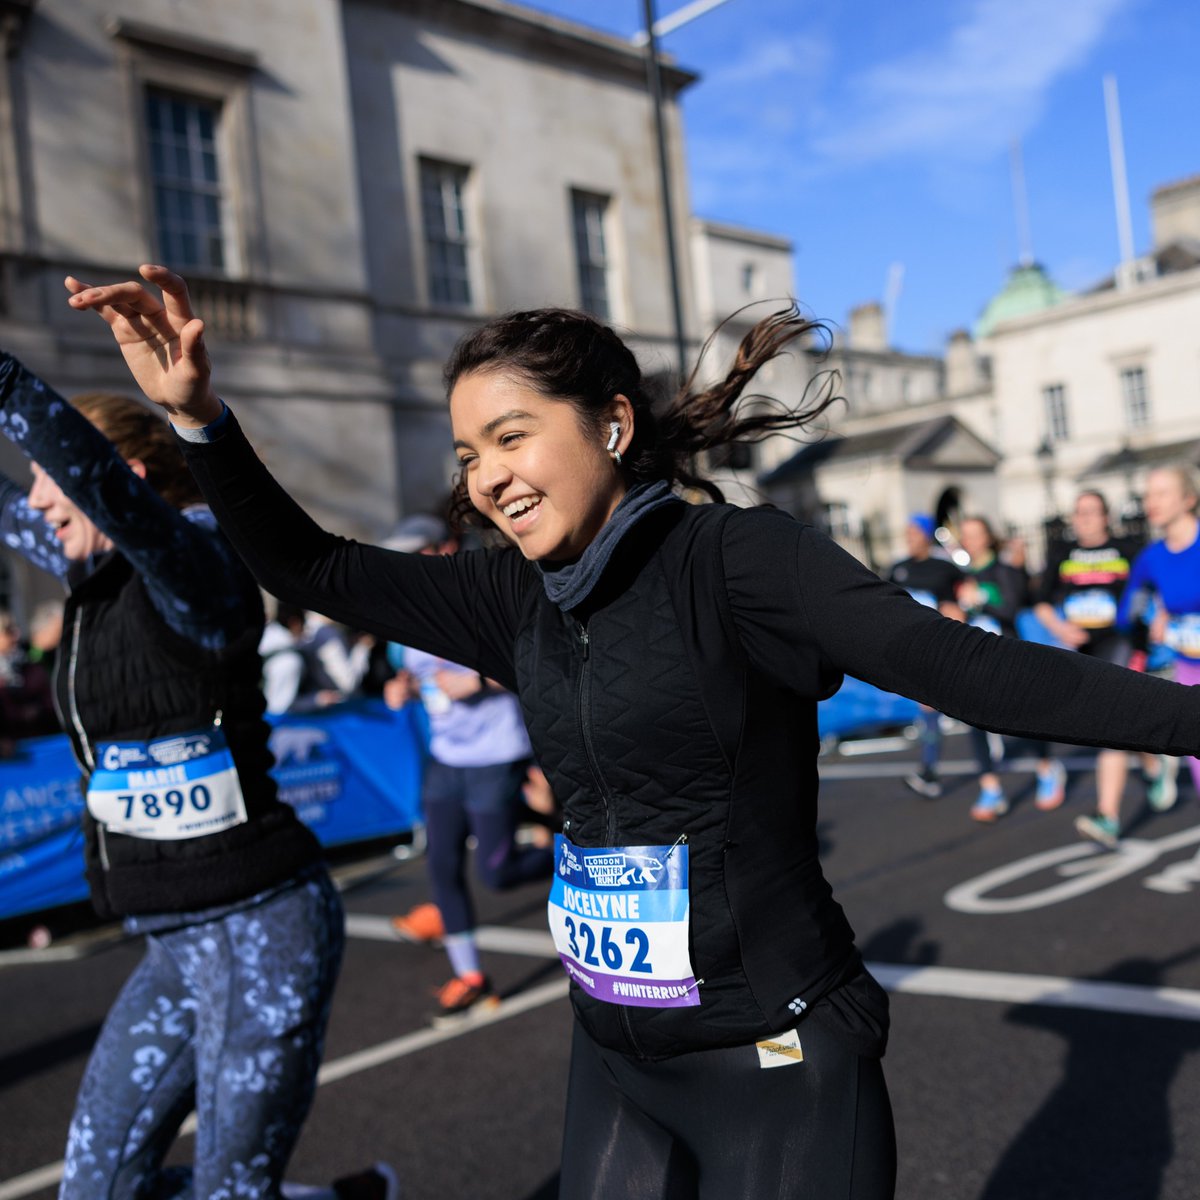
<point x="619" y="916"/>
<point x="167" y="789"/>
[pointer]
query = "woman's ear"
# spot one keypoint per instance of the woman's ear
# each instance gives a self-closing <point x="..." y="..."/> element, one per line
<point x="621" y="414"/>
<point x="137" y="467"/>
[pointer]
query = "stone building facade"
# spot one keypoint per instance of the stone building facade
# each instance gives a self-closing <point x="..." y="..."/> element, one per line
<point x="349" y="185"/>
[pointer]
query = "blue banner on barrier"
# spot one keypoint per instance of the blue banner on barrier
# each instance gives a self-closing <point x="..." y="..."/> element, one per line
<point x="860" y="707"/>
<point x="352" y="773"/>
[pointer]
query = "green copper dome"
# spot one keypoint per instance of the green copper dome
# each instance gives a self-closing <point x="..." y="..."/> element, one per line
<point x="1027" y="290"/>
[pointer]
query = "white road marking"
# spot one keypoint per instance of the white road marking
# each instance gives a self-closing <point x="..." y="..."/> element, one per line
<point x="536" y="943"/>
<point x="1049" y="990"/>
<point x="410" y="1043"/>
<point x="31" y="1181"/>
<point x="896" y="769"/>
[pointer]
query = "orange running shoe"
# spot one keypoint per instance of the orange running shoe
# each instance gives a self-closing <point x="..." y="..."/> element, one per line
<point x="465" y="994"/>
<point x="422" y="924"/>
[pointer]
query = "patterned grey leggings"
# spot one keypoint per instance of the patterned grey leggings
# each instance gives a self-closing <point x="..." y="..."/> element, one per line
<point x="225" y="1016"/>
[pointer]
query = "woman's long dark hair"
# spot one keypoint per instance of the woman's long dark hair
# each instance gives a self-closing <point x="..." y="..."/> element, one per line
<point x="571" y="356"/>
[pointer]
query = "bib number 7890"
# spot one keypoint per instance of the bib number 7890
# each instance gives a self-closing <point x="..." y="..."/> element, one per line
<point x="152" y="805"/>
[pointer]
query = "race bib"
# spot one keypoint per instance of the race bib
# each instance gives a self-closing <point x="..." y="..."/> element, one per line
<point x="619" y="916"/>
<point x="171" y="788"/>
<point x="1091" y="609"/>
<point x="1183" y="635"/>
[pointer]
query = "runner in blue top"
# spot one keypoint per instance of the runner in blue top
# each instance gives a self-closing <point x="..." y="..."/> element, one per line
<point x="1170" y="569"/>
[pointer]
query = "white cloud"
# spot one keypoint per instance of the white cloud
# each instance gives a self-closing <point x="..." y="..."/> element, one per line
<point x="969" y="97"/>
<point x="799" y="59"/>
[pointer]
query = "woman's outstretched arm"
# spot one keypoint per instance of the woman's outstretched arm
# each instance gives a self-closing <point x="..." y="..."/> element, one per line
<point x="805" y="610"/>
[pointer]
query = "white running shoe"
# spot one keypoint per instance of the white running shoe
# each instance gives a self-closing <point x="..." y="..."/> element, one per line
<point x="1162" y="791"/>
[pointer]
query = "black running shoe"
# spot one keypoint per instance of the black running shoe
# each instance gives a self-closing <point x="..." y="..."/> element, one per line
<point x="375" y="1183"/>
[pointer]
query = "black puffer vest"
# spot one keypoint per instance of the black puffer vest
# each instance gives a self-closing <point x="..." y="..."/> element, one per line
<point x="124" y="675"/>
<point x="651" y="726"/>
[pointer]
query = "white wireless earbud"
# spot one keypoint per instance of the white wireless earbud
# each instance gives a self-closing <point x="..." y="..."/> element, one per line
<point x="613" y="436"/>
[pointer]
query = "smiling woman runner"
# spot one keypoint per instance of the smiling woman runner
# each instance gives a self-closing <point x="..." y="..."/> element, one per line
<point x="669" y="659"/>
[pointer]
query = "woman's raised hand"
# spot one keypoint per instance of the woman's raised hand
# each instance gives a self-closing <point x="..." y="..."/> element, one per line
<point x="161" y="339"/>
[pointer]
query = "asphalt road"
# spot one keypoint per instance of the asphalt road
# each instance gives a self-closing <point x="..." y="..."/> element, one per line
<point x="1045" y="1007"/>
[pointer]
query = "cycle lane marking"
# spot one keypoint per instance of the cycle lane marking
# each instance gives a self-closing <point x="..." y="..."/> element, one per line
<point x="1083" y="867"/>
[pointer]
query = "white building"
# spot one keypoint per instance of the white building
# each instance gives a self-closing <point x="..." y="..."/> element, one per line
<point x="1098" y="387"/>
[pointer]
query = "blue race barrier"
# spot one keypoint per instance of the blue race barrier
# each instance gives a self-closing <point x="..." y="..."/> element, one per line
<point x="859" y="707"/>
<point x="1031" y="629"/>
<point x="352" y="773"/>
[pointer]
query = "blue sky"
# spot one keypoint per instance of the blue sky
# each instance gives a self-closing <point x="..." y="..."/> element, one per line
<point x="873" y="133"/>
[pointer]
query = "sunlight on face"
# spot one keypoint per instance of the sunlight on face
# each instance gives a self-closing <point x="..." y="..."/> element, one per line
<point x="532" y="468"/>
<point x="1166" y="499"/>
<point x="975" y="540"/>
<point x="1089" y="520"/>
<point x="916" y="541"/>
<point x="77" y="534"/>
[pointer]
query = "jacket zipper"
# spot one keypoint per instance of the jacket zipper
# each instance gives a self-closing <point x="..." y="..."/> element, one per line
<point x="584" y="714"/>
<point x="83" y="753"/>
<point x="583" y="708"/>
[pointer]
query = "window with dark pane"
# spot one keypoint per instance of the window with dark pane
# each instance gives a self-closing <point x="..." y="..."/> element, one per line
<point x="185" y="179"/>
<point x="835" y="516"/>
<point x="591" y="251"/>
<point x="443" y="213"/>
<point x="1058" y="425"/>
<point x="1136" y="396"/>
